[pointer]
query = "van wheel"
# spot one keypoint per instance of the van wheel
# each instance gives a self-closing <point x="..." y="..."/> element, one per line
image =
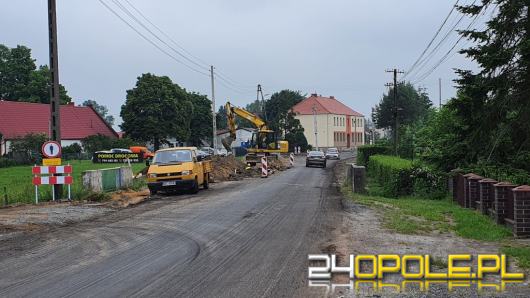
<point x="195" y="188"/>
<point x="206" y="183"/>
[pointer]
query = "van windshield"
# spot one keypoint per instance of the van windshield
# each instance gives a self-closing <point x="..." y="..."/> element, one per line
<point x="170" y="157"/>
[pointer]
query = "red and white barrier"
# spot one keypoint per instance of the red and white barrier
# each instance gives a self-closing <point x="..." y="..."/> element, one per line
<point x="53" y="180"/>
<point x="39" y="170"/>
<point x="264" y="167"/>
<point x="291" y="159"/>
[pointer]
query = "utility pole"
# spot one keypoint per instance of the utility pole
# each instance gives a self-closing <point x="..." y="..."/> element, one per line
<point x="214" y="121"/>
<point x="395" y="109"/>
<point x="315" y="126"/>
<point x="440" y="91"/>
<point x="55" y="100"/>
<point x="262" y="105"/>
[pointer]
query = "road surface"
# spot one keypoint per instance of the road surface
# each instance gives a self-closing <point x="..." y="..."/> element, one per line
<point x="247" y="238"/>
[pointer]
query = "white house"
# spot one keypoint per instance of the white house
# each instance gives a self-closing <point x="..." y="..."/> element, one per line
<point x="336" y="124"/>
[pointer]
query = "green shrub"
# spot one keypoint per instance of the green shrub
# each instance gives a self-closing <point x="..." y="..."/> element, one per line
<point x="393" y="173"/>
<point x="500" y="172"/>
<point x="6" y="162"/>
<point x="428" y="182"/>
<point x="364" y="152"/>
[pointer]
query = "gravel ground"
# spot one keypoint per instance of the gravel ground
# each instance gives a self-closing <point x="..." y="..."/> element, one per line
<point x="359" y="231"/>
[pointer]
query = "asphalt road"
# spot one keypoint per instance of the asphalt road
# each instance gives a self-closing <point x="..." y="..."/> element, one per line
<point x="247" y="238"/>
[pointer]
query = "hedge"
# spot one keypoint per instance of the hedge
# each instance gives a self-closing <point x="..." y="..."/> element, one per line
<point x="399" y="177"/>
<point x="364" y="152"/>
<point x="393" y="173"/>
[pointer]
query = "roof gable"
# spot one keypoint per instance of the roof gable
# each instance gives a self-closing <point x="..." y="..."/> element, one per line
<point x="21" y="118"/>
<point x="323" y="105"/>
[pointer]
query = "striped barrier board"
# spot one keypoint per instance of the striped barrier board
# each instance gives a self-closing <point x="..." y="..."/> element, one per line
<point x="291" y="159"/>
<point x="39" y="170"/>
<point x="53" y="180"/>
<point x="50" y="178"/>
<point x="264" y="167"/>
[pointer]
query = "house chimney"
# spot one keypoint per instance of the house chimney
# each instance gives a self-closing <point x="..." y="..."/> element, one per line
<point x="314" y="95"/>
<point x="332" y="97"/>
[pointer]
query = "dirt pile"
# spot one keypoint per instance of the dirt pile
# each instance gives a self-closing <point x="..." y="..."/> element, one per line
<point x="278" y="164"/>
<point x="123" y="199"/>
<point x="229" y="168"/>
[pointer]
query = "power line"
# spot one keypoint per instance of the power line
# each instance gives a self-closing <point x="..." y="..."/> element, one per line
<point x="234" y="87"/>
<point x="149" y="40"/>
<point x="432" y="40"/>
<point x="205" y="64"/>
<point x="448" y="53"/>
<point x="422" y="64"/>
<point x="139" y="22"/>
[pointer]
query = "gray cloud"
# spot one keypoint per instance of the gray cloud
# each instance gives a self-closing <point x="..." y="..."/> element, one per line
<point x="338" y="48"/>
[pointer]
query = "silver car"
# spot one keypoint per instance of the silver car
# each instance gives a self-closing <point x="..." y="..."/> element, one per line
<point x="332" y="153"/>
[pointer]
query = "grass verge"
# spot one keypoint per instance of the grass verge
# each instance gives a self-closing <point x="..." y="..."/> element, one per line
<point x="17" y="181"/>
<point x="520" y="253"/>
<point x="417" y="215"/>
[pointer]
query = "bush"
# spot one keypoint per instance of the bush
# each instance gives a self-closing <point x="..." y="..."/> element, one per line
<point x="364" y="152"/>
<point x="6" y="162"/>
<point x="393" y="173"/>
<point x="500" y="172"/>
<point x="428" y="183"/>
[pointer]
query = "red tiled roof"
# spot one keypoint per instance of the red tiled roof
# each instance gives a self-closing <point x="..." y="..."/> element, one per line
<point x="20" y="118"/>
<point x="323" y="105"/>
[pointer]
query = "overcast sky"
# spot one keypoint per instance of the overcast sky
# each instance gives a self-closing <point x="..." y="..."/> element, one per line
<point x="339" y="48"/>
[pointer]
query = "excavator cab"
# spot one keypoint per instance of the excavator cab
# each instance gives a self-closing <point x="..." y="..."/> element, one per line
<point x="264" y="140"/>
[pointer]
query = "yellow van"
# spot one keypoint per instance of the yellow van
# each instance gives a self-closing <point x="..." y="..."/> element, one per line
<point x="179" y="168"/>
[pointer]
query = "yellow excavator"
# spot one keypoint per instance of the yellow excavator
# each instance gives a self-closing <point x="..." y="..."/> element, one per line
<point x="264" y="142"/>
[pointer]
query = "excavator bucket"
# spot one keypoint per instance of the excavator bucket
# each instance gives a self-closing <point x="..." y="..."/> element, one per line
<point x="227" y="143"/>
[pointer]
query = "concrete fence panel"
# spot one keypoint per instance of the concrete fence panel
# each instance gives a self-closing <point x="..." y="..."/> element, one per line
<point x="105" y="180"/>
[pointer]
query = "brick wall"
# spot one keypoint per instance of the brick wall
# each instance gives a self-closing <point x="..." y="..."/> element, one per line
<point x="503" y="190"/>
<point x="473" y="191"/>
<point x="521" y="226"/>
<point x="487" y="195"/>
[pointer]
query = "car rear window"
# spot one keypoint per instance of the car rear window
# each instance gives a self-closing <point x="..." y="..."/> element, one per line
<point x="316" y="153"/>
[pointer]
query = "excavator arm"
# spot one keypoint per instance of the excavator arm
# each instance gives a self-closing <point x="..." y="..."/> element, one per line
<point x="231" y="113"/>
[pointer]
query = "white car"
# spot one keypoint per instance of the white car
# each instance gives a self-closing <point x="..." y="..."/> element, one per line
<point x="221" y="152"/>
<point x="332" y="153"/>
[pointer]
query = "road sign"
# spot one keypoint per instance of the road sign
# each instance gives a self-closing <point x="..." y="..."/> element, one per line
<point x="51" y="149"/>
<point x="51" y="161"/>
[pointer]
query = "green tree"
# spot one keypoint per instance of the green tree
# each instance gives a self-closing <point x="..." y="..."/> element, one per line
<point x="493" y="102"/>
<point x="201" y="119"/>
<point x="156" y="109"/>
<point x="220" y="118"/>
<point x="440" y="142"/>
<point x="16" y="66"/>
<point x="278" y="110"/>
<point x="102" y="110"/>
<point x="20" y="80"/>
<point x="412" y="104"/>
<point x="29" y="146"/>
<point x="97" y="142"/>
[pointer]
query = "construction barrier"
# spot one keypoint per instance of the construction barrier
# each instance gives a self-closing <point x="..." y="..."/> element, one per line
<point x="51" y="179"/>
<point x="105" y="180"/>
<point x="291" y="160"/>
<point x="264" y="167"/>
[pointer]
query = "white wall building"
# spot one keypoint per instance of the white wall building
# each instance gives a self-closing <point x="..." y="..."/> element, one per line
<point x="335" y="124"/>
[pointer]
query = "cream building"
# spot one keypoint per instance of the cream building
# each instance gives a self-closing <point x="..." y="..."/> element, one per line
<point x="335" y="124"/>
